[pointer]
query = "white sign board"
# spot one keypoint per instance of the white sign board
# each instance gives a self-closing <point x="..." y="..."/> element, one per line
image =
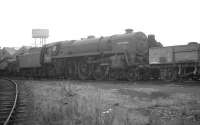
<point x="40" y="33"/>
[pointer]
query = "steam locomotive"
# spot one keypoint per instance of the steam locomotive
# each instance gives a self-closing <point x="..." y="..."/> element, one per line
<point x="129" y="56"/>
<point x="114" y="57"/>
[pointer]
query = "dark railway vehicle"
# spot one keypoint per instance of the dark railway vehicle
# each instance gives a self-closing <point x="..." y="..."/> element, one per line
<point x="122" y="56"/>
<point x="8" y="67"/>
<point x="8" y="63"/>
<point x="176" y="62"/>
<point x="29" y="63"/>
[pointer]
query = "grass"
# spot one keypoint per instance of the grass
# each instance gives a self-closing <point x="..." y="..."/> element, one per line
<point x="63" y="103"/>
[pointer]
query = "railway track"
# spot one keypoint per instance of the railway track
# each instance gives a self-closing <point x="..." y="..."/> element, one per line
<point x="14" y="103"/>
<point x="8" y="100"/>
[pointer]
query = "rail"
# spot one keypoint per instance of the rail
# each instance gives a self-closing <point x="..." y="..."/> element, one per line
<point x="15" y="101"/>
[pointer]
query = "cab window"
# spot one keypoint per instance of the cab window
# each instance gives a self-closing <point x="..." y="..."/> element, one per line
<point x="51" y="51"/>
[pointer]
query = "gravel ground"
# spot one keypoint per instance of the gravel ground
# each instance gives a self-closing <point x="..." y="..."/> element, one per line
<point x="115" y="103"/>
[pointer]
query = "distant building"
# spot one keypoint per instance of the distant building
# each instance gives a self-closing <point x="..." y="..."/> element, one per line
<point x="7" y="52"/>
<point x="22" y="50"/>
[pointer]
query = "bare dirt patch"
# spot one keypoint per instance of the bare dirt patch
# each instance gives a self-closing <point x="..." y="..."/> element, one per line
<point x="144" y="92"/>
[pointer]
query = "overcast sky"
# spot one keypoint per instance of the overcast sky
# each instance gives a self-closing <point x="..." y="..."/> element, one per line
<point x="172" y="21"/>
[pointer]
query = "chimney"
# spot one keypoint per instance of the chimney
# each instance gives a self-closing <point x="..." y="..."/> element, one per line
<point x="129" y="31"/>
<point x="151" y="37"/>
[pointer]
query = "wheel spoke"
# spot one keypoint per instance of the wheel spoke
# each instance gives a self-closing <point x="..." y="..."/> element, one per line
<point x="131" y="75"/>
<point x="113" y="75"/>
<point x="99" y="73"/>
<point x="83" y="71"/>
